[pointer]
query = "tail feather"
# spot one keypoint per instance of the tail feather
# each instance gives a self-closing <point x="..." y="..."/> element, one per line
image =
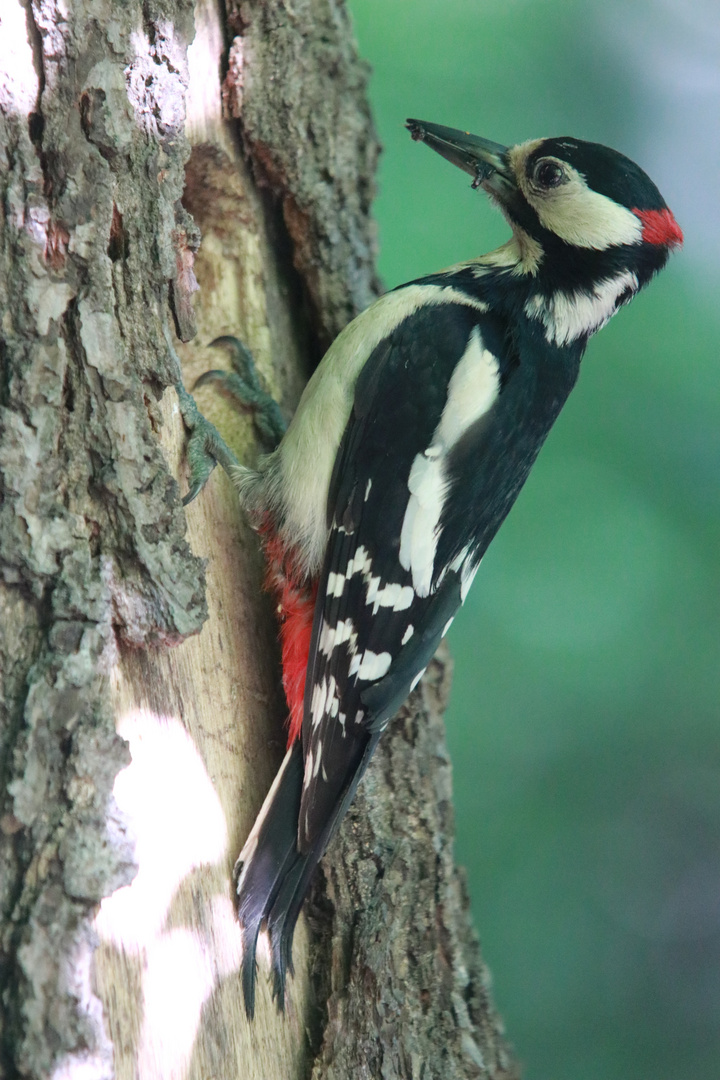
<point x="273" y="876"/>
<point x="268" y="856"/>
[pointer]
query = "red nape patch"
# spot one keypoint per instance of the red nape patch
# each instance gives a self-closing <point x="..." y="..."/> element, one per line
<point x="660" y="227"/>
<point x="296" y="607"/>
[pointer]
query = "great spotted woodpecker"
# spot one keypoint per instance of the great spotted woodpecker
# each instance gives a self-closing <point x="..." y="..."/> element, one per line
<point x="409" y="446"/>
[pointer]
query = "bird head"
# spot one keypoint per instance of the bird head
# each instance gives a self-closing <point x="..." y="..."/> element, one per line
<point x="569" y="202"/>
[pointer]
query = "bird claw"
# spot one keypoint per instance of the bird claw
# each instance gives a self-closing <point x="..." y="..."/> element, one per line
<point x="205" y="446"/>
<point x="244" y="387"/>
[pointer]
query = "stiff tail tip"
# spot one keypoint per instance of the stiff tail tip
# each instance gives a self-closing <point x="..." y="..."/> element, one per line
<point x="267" y="865"/>
<point x="272" y="876"/>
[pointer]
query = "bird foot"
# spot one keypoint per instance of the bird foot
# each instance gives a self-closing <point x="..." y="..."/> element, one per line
<point x="206" y="448"/>
<point x="243" y="387"/>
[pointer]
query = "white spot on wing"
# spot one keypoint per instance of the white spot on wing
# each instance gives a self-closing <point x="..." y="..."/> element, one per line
<point x="345" y="631"/>
<point x="409" y="631"/>
<point x="374" y="665"/>
<point x="362" y="562"/>
<point x="417" y="679"/>
<point x="395" y="596"/>
<point x="387" y="596"/>
<point x="326" y="640"/>
<point x="333" y="636"/>
<point x="318" y="700"/>
<point x="404" y="599"/>
<point x="335" y="584"/>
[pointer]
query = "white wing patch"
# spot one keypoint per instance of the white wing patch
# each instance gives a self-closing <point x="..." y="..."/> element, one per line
<point x="417" y="679"/>
<point x="420" y="527"/>
<point x="472" y="391"/>
<point x="332" y="636"/>
<point x="373" y="665"/>
<point x="335" y="584"/>
<point x="397" y="597"/>
<point x="568" y="316"/>
<point x="361" y="564"/>
<point x="324" y="701"/>
<point x="368" y="665"/>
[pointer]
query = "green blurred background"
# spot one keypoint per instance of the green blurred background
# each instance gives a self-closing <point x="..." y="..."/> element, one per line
<point x="584" y="718"/>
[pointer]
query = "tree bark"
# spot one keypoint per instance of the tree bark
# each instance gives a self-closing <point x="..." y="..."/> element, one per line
<point x="142" y="719"/>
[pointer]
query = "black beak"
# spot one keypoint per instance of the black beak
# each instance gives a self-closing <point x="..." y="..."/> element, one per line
<point x="479" y="157"/>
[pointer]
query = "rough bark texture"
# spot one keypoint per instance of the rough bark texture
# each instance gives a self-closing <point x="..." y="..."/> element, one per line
<point x="99" y="579"/>
<point x="91" y="531"/>
<point x="297" y="86"/>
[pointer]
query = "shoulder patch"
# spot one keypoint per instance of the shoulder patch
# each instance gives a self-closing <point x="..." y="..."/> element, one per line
<point x="472" y="391"/>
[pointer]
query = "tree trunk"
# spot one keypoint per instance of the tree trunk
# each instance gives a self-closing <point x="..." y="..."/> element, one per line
<point x="142" y="719"/>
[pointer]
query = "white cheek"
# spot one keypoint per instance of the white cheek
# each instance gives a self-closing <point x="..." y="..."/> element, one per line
<point x="585" y="218"/>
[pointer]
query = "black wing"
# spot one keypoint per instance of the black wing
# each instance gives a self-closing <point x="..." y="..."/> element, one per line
<point x="399" y="555"/>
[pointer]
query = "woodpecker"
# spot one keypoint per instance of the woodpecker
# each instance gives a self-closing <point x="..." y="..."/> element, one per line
<point x="408" y="448"/>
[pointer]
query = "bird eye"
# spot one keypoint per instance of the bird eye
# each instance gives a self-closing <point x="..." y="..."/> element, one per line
<point x="549" y="174"/>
